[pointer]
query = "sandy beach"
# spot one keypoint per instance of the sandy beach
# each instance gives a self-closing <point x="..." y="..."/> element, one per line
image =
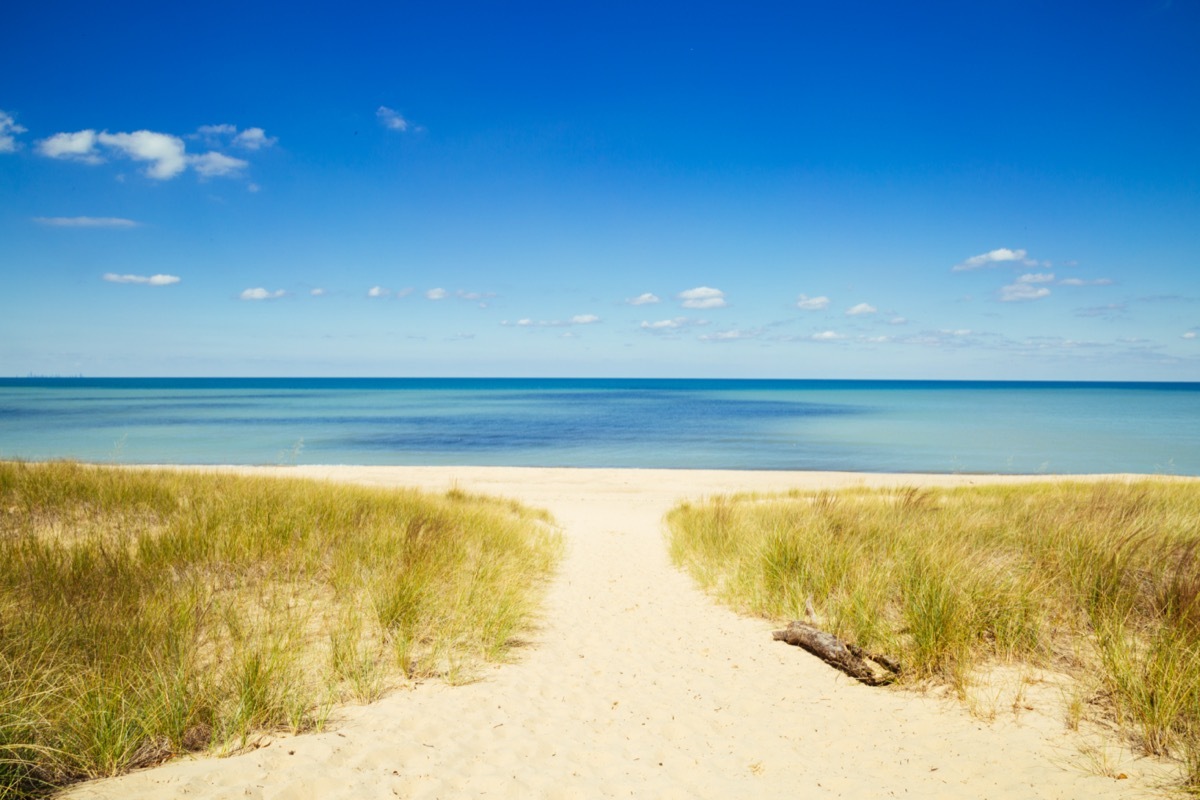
<point x="636" y="684"/>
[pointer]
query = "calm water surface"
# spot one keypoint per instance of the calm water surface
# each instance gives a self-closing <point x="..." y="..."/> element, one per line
<point x="891" y="426"/>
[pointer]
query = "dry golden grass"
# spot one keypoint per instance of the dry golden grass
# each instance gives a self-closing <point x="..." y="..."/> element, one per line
<point x="1088" y="578"/>
<point x="144" y="613"/>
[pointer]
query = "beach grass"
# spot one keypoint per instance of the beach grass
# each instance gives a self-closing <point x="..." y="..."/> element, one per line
<point x="148" y="613"/>
<point x="1097" y="580"/>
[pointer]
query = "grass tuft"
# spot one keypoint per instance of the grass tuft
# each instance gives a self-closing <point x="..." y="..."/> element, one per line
<point x="144" y="614"/>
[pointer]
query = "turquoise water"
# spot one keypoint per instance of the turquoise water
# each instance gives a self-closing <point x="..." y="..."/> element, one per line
<point x="890" y="426"/>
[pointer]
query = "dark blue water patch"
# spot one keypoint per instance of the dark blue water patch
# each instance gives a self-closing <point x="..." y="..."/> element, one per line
<point x="625" y="410"/>
<point x="711" y="425"/>
<point x="688" y="398"/>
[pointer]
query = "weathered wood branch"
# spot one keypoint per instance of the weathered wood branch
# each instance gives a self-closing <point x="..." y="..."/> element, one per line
<point x="849" y="658"/>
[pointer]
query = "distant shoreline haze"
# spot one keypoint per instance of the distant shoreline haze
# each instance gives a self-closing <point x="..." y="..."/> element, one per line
<point x="301" y="381"/>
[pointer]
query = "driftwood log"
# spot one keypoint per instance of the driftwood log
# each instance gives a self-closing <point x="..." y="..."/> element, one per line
<point x="870" y="668"/>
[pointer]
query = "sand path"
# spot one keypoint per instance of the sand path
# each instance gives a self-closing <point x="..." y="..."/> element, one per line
<point x="637" y="685"/>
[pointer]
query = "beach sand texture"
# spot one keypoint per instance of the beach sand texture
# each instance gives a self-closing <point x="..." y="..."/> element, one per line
<point x="638" y="685"/>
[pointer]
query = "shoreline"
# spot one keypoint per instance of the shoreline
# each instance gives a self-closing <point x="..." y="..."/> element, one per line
<point x="637" y="683"/>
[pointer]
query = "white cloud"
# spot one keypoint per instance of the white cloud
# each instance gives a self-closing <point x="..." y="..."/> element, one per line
<point x="391" y="119"/>
<point x="260" y="293"/>
<point x="826" y="336"/>
<point x="878" y="339"/>
<point x="806" y="303"/>
<point x="860" y="309"/>
<point x="146" y="280"/>
<point x="578" y="319"/>
<point x="8" y="127"/>
<point x="664" y="324"/>
<point x="86" y="222"/>
<point x="1190" y="335"/>
<point x="213" y="165"/>
<point x="1026" y="288"/>
<point x="1018" y="292"/>
<point x="1036" y="277"/>
<point x="671" y="325"/>
<point x="1082" y="282"/>
<point x="78" y="146"/>
<point x="254" y="139"/>
<point x="164" y="152"/>
<point x="249" y="139"/>
<point x="643" y="299"/>
<point x="990" y="258"/>
<point x="436" y="294"/>
<point x="729" y="336"/>
<point x="318" y="292"/>
<point x="897" y="321"/>
<point x="474" y="296"/>
<point x="378" y="291"/>
<point x="703" y="297"/>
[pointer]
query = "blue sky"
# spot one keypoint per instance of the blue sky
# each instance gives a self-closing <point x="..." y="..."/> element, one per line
<point x="996" y="190"/>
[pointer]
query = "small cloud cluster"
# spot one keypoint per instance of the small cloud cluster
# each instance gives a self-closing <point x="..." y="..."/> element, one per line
<point x="259" y="293"/>
<point x="214" y="164"/>
<point x="1029" y="286"/>
<point x="991" y="258"/>
<point x="383" y="291"/>
<point x="644" y="299"/>
<point x="820" y="303"/>
<point x="730" y="335"/>
<point x="435" y="294"/>
<point x="391" y="119"/>
<point x="578" y="319"/>
<point x="8" y="130"/>
<point x="86" y="222"/>
<point x="145" y="280"/>
<point x="702" y="297"/>
<point x="806" y="303"/>
<point x="1026" y="288"/>
<point x="1082" y="282"/>
<point x="861" y="309"/>
<point x="461" y="294"/>
<point x="672" y="328"/>
<point x="164" y="154"/>
<point x="220" y="135"/>
<point x="663" y="324"/>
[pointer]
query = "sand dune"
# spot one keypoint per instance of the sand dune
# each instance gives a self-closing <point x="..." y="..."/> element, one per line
<point x="637" y="685"/>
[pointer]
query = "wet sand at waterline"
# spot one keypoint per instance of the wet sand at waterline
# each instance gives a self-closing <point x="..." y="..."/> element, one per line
<point x="636" y="684"/>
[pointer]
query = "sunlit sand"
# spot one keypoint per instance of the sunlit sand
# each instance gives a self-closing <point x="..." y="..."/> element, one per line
<point x="638" y="685"/>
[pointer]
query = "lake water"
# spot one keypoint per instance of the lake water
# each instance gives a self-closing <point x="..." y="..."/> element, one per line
<point x="888" y="426"/>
